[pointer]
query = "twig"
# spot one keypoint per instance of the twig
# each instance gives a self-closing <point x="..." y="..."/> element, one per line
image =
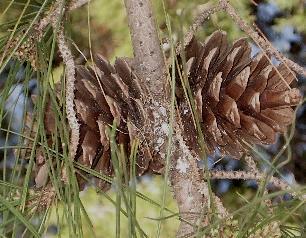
<point x="252" y="168"/>
<point x="226" y="6"/>
<point x="52" y="18"/>
<point x="54" y="12"/>
<point x="198" y="22"/>
<point x="58" y="27"/>
<point x="243" y="175"/>
<point x="70" y="87"/>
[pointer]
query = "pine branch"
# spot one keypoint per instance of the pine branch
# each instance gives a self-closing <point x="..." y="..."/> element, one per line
<point x="190" y="192"/>
<point x="252" y="169"/>
<point x="148" y="61"/>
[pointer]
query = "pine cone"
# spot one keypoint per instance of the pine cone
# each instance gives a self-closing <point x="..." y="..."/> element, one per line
<point x="104" y="94"/>
<point x="114" y="96"/>
<point x="240" y="100"/>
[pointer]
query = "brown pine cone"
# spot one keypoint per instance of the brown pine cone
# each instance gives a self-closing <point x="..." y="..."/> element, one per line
<point x="114" y="96"/>
<point x="104" y="94"/>
<point x="239" y="100"/>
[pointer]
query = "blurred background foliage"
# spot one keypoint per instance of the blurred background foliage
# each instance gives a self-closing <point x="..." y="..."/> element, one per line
<point x="102" y="28"/>
<point x="110" y="35"/>
<point x="103" y="216"/>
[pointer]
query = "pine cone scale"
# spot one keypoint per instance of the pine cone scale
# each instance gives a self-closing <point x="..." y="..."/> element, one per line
<point x="227" y="108"/>
<point x="237" y="86"/>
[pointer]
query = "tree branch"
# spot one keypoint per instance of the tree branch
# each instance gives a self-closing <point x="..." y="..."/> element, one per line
<point x="149" y="62"/>
<point x="190" y="191"/>
<point x="54" y="17"/>
<point x="149" y="65"/>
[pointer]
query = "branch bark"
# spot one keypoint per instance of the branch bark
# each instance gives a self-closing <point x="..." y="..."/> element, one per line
<point x="190" y="190"/>
<point x="149" y="62"/>
<point x="70" y="80"/>
<point x="243" y="175"/>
